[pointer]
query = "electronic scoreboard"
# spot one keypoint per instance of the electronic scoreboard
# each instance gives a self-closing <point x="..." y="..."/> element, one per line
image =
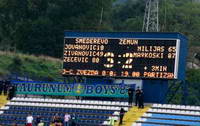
<point x="121" y="57"/>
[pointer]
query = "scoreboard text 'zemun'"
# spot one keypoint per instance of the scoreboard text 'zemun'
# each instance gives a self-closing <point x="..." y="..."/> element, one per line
<point x="123" y="55"/>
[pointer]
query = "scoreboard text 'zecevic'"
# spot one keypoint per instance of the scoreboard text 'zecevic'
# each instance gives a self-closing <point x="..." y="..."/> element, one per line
<point x="121" y="57"/>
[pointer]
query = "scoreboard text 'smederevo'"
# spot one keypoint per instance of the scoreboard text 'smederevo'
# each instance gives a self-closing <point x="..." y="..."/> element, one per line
<point x="121" y="57"/>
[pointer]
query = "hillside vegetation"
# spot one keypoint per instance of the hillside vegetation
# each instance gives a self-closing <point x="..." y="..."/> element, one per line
<point x="29" y="65"/>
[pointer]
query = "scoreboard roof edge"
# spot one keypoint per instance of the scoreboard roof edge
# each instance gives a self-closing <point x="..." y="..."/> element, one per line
<point x="126" y="34"/>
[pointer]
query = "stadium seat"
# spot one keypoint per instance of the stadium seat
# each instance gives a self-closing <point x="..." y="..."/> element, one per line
<point x="136" y="124"/>
<point x="93" y="112"/>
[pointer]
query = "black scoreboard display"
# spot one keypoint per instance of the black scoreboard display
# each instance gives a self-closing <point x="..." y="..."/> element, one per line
<point x="121" y="57"/>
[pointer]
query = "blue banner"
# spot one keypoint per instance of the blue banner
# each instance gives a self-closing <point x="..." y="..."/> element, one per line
<point x="78" y="89"/>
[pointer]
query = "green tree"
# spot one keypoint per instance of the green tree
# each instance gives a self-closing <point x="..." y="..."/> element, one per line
<point x="181" y="16"/>
<point x="128" y="16"/>
<point x="37" y="26"/>
<point x="12" y="11"/>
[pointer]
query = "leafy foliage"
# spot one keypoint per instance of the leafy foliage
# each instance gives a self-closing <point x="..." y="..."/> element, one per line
<point x="181" y="16"/>
<point x="37" y="26"/>
<point x="128" y="16"/>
